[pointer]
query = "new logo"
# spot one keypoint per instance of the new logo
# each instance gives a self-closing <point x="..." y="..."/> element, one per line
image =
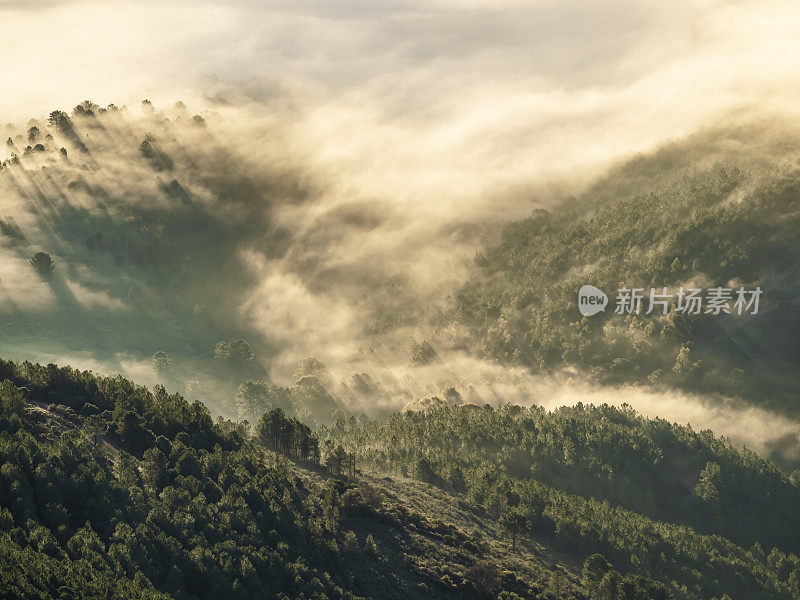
<point x="591" y="300"/>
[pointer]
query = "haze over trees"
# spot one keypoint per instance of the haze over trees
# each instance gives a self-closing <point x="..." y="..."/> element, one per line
<point x="119" y="477"/>
<point x="729" y="223"/>
<point x="176" y="243"/>
<point x="186" y="257"/>
<point x="234" y="354"/>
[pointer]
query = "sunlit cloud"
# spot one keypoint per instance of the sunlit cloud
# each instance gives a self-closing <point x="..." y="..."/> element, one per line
<point x="390" y="137"/>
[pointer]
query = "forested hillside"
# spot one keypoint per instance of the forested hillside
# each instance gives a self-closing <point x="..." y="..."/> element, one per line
<point x="110" y="490"/>
<point x="653" y="467"/>
<point x="652" y="497"/>
<point x="184" y="509"/>
<point x="400" y="300"/>
<point x="717" y="209"/>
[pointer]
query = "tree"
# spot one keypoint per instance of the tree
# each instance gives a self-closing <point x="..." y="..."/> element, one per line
<point x="707" y="488"/>
<point x="43" y="263"/>
<point x="33" y="134"/>
<point x="425" y="471"/>
<point x="516" y="524"/>
<point x="370" y="545"/>
<point x="252" y="399"/>
<point x="146" y="148"/>
<point x="161" y="362"/>
<point x="422" y="353"/>
<point x="288" y="436"/>
<point x="155" y="468"/>
<point x="271" y="428"/>
<point x="236" y="354"/>
<point x="337" y="460"/>
<point x="484" y="577"/>
<point x="456" y="479"/>
<point x="608" y="588"/>
<point x="757" y="552"/>
<point x="60" y="120"/>
<point x="311" y="366"/>
<point x="685" y="363"/>
<point x="637" y="587"/>
<point x="131" y="431"/>
<point x="313" y="401"/>
<point x="594" y="568"/>
<point x="94" y="426"/>
<point x="557" y="580"/>
<point x="87" y="108"/>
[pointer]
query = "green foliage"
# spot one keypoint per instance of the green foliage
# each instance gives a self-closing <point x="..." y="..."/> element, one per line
<point x="516" y="523"/>
<point x="312" y="401"/>
<point x="253" y="399"/>
<point x="595" y="568"/>
<point x="603" y="480"/>
<point x="484" y="577"/>
<point x="60" y="120"/>
<point x="87" y="108"/>
<point x="337" y="461"/>
<point x="287" y="436"/>
<point x="422" y="353"/>
<point x="311" y="366"/>
<point x="146" y="149"/>
<point x="370" y="546"/>
<point x="200" y="515"/>
<point x="307" y="400"/>
<point x="146" y="498"/>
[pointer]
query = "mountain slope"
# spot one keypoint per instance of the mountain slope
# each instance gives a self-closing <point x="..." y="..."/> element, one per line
<point x="720" y="208"/>
<point x="654" y="498"/>
<point x="110" y="490"/>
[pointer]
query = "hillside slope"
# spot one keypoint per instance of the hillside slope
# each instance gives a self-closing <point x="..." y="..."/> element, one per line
<point x="719" y="209"/>
<point x="118" y="491"/>
<point x="654" y="498"/>
<point x="110" y="490"/>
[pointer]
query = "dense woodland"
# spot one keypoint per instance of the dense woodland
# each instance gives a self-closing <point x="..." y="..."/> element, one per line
<point x="111" y="490"/>
<point x="654" y="498"/>
<point x="716" y="209"/>
<point x="185" y="508"/>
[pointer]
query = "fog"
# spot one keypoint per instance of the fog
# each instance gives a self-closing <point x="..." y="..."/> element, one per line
<point x="517" y="87"/>
<point x="355" y="156"/>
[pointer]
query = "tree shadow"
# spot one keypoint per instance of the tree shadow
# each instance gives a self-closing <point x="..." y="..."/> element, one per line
<point x="72" y="313"/>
